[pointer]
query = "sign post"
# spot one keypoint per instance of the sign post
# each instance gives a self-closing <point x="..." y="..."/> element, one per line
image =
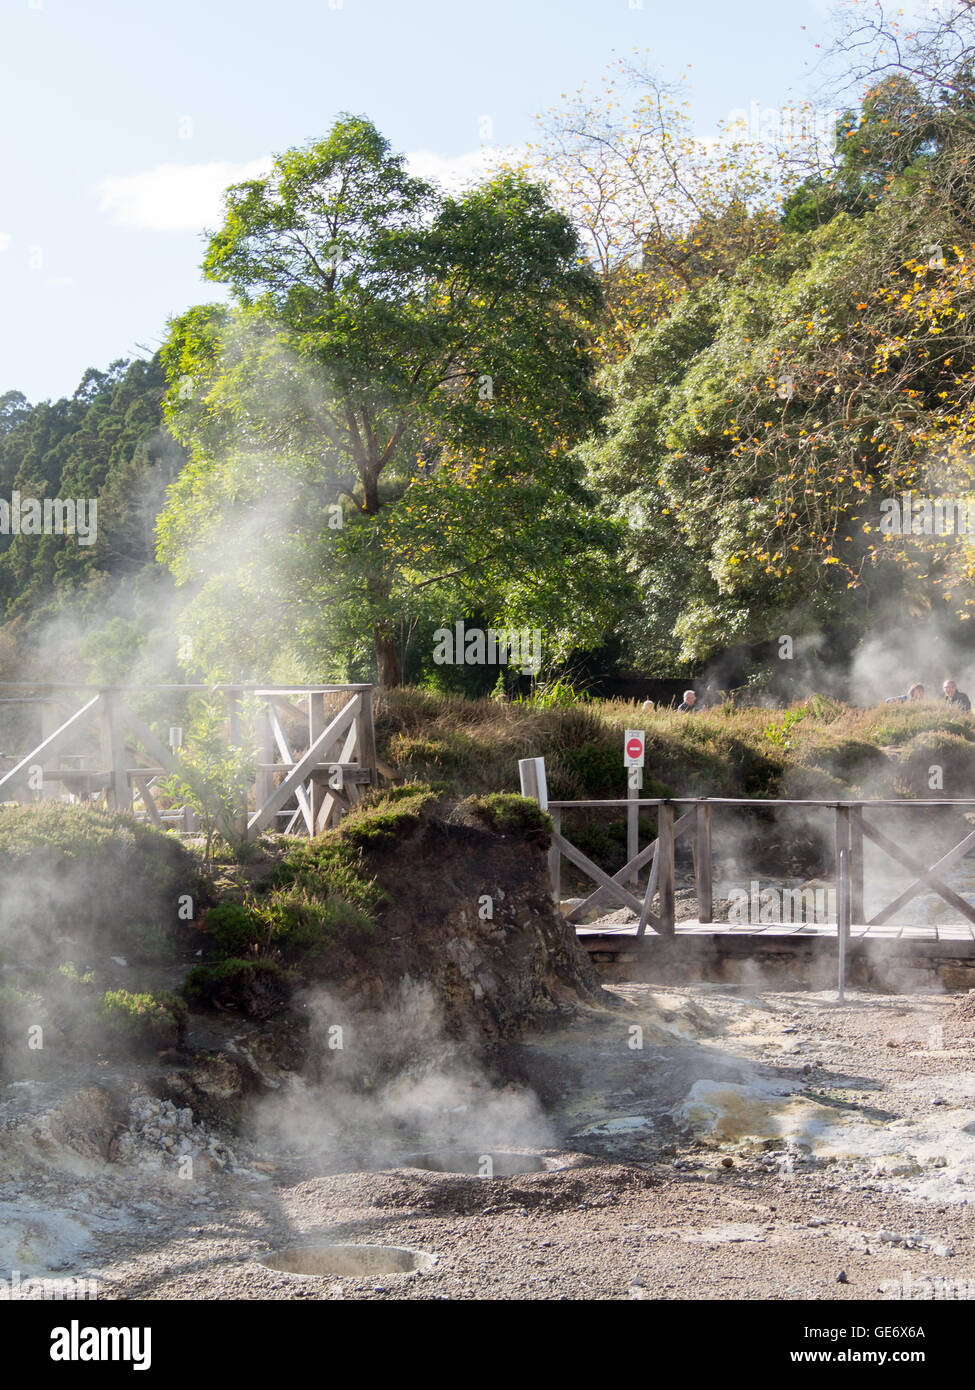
<point x="634" y="751"/>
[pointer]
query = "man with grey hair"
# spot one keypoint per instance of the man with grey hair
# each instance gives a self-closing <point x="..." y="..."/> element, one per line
<point x="957" y="699"/>
<point x="688" y="703"/>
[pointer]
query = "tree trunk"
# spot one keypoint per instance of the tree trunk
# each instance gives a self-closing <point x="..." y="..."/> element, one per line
<point x="387" y="658"/>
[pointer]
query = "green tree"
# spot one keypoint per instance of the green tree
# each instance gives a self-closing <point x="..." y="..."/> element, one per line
<point x="380" y="425"/>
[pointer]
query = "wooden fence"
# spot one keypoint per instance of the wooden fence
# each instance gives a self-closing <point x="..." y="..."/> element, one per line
<point x="854" y="824"/>
<point x="315" y="750"/>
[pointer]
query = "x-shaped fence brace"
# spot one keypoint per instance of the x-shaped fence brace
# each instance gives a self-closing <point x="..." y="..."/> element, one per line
<point x="852" y="828"/>
<point x="659" y="853"/>
<point x="925" y="877"/>
<point x="323" y="780"/>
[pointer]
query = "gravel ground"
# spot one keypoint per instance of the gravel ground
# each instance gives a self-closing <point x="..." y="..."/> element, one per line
<point x="749" y="1145"/>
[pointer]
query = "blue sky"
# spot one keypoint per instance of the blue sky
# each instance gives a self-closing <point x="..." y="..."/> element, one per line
<point x="120" y="120"/>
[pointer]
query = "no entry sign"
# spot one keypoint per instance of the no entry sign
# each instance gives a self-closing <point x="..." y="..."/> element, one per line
<point x="633" y="748"/>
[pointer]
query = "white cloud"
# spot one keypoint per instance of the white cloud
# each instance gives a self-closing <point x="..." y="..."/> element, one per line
<point x="187" y="197"/>
<point x="455" y="172"/>
<point x="5" y="240"/>
<point x="174" y="197"/>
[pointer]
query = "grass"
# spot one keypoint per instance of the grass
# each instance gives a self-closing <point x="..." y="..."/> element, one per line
<point x="114" y="881"/>
<point x="818" y="750"/>
<point x="321" y="894"/>
<point x="467" y="747"/>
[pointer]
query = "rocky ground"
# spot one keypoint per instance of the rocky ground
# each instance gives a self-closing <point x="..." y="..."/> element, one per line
<point x="702" y="1142"/>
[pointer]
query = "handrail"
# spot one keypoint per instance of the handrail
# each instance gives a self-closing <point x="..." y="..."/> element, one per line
<point x="755" y="801"/>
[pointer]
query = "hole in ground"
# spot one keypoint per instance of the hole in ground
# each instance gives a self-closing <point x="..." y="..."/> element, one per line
<point x="486" y="1164"/>
<point x="312" y="1260"/>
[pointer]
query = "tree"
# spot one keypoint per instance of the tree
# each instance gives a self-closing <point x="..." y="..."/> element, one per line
<point x="758" y="432"/>
<point x="387" y="410"/>
<point x="660" y="210"/>
<point x="213" y="777"/>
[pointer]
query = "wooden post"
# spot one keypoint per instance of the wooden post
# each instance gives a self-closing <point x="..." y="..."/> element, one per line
<point x="647" y="914"/>
<point x="633" y="787"/>
<point x="235" y="739"/>
<point x="113" y="752"/>
<point x="50" y="722"/>
<point x="702" y="863"/>
<point x="855" y="865"/>
<point x="264" y="784"/>
<point x="367" y="733"/>
<point x="841" y="839"/>
<point x="555" y="858"/>
<point x="531" y="774"/>
<point x="842" y="920"/>
<point x="316" y="723"/>
<point x="665" y="876"/>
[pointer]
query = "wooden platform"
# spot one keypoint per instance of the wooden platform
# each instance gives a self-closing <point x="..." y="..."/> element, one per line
<point x="955" y="933"/>
<point x="898" y="959"/>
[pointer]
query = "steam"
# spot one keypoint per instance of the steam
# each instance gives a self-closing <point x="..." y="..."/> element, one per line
<point x="392" y="1083"/>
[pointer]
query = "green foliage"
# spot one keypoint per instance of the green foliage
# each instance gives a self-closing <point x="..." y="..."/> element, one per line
<point x="20" y="1010"/>
<point x="234" y="928"/>
<point x="257" y="988"/>
<point x="512" y="815"/>
<point x="384" y="819"/>
<point x="778" y="734"/>
<point x="385" y="412"/>
<point x="556" y="693"/>
<point x="119" y="876"/>
<point x="321" y="894"/>
<point x="106" y="443"/>
<point x="123" y="1022"/>
<point x="214" y="775"/>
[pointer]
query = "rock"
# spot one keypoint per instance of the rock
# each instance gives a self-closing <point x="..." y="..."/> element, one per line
<point x="841" y="1277"/>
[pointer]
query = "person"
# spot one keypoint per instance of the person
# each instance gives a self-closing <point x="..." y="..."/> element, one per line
<point x="956" y="698"/>
<point x="688" y="703"/>
<point x="914" y="692"/>
<point x="648" y="707"/>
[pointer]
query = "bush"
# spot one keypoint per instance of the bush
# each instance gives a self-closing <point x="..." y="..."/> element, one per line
<point x="257" y="988"/>
<point x="90" y="873"/>
<point x="20" y="1010"/>
<point x="954" y="755"/>
<point x="122" y="1022"/>
<point x="235" y="929"/>
<point x="508" y="813"/>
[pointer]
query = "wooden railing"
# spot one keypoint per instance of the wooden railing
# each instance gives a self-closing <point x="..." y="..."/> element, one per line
<point x="854" y="824"/>
<point x="309" y="786"/>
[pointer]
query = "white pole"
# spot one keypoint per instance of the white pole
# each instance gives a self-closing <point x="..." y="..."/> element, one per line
<point x="842" y="925"/>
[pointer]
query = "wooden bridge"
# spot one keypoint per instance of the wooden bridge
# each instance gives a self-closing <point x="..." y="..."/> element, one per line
<point x="314" y="746"/>
<point x="854" y="825"/>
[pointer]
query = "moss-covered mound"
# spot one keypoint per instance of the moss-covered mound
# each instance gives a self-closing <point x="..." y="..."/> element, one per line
<point x="415" y="887"/>
<point x="105" y="882"/>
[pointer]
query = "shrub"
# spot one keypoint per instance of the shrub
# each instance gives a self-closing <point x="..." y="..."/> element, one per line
<point x="98" y="874"/>
<point x="508" y="813"/>
<point x="124" y="1022"/>
<point x="257" y="988"/>
<point x="235" y="929"/>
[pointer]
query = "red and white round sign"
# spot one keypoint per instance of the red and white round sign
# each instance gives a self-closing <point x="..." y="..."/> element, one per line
<point x="633" y="747"/>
